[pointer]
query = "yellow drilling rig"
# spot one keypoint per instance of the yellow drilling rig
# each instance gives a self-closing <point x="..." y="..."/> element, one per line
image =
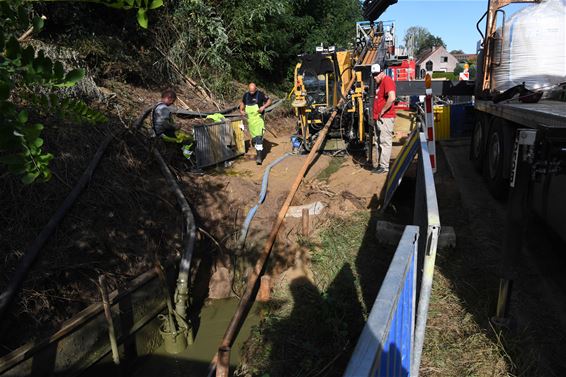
<point x="324" y="77"/>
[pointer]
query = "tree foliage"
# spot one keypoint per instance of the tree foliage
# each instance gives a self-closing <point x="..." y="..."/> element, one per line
<point x="29" y="81"/>
<point x="430" y="42"/>
<point x="472" y="70"/>
<point x="222" y="40"/>
<point x="142" y="6"/>
<point x="418" y="39"/>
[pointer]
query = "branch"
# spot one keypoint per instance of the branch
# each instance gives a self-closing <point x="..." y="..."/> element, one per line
<point x="28" y="32"/>
<point x="203" y="93"/>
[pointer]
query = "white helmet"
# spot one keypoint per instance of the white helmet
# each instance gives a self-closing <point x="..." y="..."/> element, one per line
<point x="375" y="68"/>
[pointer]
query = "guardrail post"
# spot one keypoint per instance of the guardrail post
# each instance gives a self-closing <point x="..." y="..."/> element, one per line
<point x="429" y="121"/>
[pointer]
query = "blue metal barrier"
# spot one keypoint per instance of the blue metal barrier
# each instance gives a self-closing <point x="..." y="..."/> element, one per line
<point x="392" y="340"/>
<point x="385" y="345"/>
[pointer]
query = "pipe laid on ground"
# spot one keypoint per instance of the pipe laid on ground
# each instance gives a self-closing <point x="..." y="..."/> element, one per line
<point x="247" y="299"/>
<point x="33" y="250"/>
<point x="182" y="291"/>
<point x="262" y="195"/>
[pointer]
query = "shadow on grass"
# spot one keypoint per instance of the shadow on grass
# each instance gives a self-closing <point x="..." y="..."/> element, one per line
<point x="316" y="332"/>
<point x="530" y="347"/>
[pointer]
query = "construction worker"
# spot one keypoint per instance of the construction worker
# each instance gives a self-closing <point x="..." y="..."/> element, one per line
<point x="384" y="116"/>
<point x="253" y="105"/>
<point x="162" y="122"/>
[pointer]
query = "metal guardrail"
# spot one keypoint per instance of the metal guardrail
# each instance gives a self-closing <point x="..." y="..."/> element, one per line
<point x="426" y="216"/>
<point x="392" y="340"/>
<point x="385" y="345"/>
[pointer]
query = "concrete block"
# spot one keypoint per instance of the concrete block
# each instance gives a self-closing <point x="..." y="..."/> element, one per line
<point x="389" y="233"/>
<point x="447" y="239"/>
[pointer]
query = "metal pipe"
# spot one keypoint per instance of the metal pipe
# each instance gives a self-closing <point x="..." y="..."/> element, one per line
<point x="248" y="298"/>
<point x="109" y="320"/>
<point x="181" y="296"/>
<point x="33" y="250"/>
<point x="262" y="195"/>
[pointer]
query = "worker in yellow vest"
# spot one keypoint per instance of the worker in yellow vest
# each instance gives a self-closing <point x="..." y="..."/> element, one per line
<point x="253" y="105"/>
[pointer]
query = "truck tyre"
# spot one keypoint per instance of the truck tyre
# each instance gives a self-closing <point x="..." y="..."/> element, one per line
<point x="494" y="160"/>
<point x="478" y="142"/>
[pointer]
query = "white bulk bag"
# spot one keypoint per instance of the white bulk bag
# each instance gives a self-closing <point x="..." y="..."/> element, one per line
<point x="533" y="49"/>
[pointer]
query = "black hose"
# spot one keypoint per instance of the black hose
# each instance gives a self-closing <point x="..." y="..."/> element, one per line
<point x="189" y="237"/>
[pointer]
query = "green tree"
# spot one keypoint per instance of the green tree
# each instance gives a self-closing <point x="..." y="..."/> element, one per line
<point x="418" y="39"/>
<point x="459" y="69"/>
<point x="221" y="40"/>
<point x="473" y="72"/>
<point x="29" y="81"/>
<point x="414" y="38"/>
<point x="430" y="42"/>
<point x="457" y="52"/>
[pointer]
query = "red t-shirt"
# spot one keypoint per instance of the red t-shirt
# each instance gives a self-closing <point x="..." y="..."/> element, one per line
<point x="387" y="85"/>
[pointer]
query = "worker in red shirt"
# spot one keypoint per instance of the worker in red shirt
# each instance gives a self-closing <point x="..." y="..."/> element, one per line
<point x="384" y="116"/>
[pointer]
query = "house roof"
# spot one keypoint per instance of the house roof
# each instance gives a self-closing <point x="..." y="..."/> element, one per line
<point x="427" y="55"/>
<point x="461" y="57"/>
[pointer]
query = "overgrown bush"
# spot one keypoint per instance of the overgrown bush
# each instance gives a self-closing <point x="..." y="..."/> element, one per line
<point x="220" y="41"/>
<point x="29" y="83"/>
<point x="445" y="75"/>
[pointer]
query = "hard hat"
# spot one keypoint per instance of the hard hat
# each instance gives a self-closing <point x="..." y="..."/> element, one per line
<point x="375" y="69"/>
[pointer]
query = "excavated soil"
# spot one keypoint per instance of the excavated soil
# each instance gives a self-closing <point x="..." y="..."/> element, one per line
<point x="127" y="218"/>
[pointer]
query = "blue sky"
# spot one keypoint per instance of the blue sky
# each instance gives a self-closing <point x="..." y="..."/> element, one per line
<point x="452" y="20"/>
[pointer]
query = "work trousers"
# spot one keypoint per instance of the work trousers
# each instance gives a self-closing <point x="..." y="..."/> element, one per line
<point x="383" y="142"/>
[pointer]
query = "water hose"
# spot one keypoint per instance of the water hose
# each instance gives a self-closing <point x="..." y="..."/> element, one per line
<point x="182" y="291"/>
<point x="262" y="195"/>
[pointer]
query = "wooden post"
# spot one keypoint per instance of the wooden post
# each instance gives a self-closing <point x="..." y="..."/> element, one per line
<point x="109" y="321"/>
<point x="305" y="222"/>
<point x="264" y="294"/>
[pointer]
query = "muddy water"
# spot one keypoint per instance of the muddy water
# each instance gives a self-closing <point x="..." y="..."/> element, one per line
<point x="194" y="361"/>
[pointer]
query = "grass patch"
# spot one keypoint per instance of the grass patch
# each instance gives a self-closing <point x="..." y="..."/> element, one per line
<point x="333" y="167"/>
<point x="310" y="328"/>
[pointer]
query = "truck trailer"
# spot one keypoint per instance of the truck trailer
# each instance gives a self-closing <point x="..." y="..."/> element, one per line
<point x="519" y="136"/>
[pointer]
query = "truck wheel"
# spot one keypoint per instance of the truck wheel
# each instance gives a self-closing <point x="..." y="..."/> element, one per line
<point x="495" y="152"/>
<point x="477" y="143"/>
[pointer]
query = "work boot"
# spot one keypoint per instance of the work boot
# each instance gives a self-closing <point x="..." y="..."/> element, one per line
<point x="258" y="159"/>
